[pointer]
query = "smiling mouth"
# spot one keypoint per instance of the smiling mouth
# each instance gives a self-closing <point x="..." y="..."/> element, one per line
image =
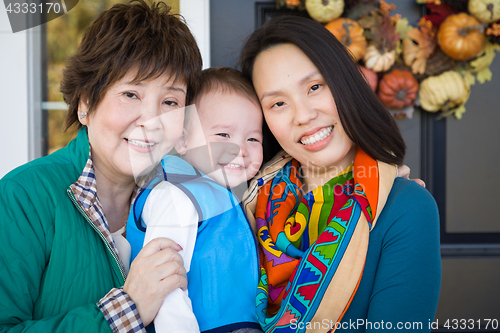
<point x="141" y="144"/>
<point x="232" y="166"/>
<point x="317" y="137"/>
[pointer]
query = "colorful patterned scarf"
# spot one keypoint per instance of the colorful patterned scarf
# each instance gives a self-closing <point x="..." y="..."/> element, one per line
<point x="313" y="247"/>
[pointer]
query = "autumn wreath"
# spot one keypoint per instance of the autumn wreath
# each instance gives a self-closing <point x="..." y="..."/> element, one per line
<point x="432" y="65"/>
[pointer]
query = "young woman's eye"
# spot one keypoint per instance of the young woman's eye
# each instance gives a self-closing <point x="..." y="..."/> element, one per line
<point x="314" y="87"/>
<point x="224" y="135"/>
<point x="278" y="104"/>
<point x="130" y="94"/>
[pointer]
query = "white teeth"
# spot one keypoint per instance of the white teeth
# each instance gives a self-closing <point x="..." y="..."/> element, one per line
<point x="233" y="166"/>
<point x="317" y="137"/>
<point x="141" y="144"/>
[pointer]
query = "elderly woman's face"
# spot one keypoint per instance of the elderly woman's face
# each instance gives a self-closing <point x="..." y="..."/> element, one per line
<point x="299" y="108"/>
<point x="135" y="125"/>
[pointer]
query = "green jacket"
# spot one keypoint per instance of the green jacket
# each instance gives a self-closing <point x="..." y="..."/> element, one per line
<point x="54" y="267"/>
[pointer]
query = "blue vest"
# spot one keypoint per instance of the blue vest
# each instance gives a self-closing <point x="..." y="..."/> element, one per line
<point x="223" y="277"/>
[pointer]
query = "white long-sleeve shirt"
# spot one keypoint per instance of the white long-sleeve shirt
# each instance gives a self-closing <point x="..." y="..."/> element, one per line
<point x="168" y="212"/>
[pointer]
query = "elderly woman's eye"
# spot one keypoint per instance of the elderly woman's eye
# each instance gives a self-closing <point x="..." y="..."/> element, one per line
<point x="130" y="94"/>
<point x="171" y="103"/>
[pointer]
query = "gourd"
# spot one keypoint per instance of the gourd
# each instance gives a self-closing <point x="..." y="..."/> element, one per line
<point x="324" y="11"/>
<point x="443" y="92"/>
<point x="486" y="11"/>
<point x="398" y="89"/>
<point x="370" y="76"/>
<point x="351" y="34"/>
<point x="377" y="61"/>
<point x="461" y="36"/>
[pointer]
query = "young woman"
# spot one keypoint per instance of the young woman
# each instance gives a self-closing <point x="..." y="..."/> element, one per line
<point x="344" y="243"/>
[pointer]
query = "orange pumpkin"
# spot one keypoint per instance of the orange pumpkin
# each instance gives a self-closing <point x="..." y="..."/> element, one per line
<point x="398" y="89"/>
<point x="351" y="34"/>
<point x="461" y="36"/>
<point x="370" y="77"/>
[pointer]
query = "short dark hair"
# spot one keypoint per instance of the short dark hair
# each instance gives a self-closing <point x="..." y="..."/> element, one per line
<point x="224" y="79"/>
<point x="133" y="36"/>
<point x="365" y="119"/>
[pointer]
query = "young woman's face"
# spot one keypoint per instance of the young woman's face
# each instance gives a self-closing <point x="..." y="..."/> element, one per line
<point x="299" y="108"/>
<point x="135" y="125"/>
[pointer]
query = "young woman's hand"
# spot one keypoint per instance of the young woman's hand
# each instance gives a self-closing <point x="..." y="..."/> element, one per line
<point x="156" y="271"/>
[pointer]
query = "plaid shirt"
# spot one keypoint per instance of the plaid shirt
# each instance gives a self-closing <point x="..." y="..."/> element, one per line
<point x="117" y="306"/>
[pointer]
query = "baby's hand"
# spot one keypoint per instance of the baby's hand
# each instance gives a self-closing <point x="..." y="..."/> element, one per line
<point x="404" y="171"/>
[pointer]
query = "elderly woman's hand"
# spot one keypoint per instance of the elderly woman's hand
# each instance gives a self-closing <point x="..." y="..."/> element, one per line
<point x="156" y="271"/>
<point x="404" y="171"/>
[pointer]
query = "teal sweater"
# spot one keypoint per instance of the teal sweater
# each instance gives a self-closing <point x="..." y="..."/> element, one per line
<point x="402" y="275"/>
<point x="54" y="267"/>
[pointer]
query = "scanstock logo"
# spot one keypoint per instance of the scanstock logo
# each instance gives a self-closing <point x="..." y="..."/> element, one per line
<point x="26" y="14"/>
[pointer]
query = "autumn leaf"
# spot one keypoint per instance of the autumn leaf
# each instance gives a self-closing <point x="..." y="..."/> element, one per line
<point x="469" y="79"/>
<point x="388" y="30"/>
<point x="438" y="13"/>
<point x="380" y="31"/>
<point x="362" y="9"/>
<point x="458" y="112"/>
<point x="481" y="65"/>
<point x="402" y="27"/>
<point x="369" y="22"/>
<point x="417" y="48"/>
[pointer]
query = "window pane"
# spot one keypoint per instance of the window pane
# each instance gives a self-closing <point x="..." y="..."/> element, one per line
<point x="63" y="37"/>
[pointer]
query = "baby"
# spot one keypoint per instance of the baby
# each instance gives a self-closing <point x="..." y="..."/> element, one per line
<point x="195" y="203"/>
<point x="229" y="125"/>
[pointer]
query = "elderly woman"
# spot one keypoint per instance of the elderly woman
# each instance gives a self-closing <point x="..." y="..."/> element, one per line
<point x="344" y="243"/>
<point x="63" y="261"/>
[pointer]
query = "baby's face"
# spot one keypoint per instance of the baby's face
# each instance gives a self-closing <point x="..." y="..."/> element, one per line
<point x="231" y="126"/>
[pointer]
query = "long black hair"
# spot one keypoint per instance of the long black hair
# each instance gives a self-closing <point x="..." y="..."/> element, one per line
<point x="365" y="119"/>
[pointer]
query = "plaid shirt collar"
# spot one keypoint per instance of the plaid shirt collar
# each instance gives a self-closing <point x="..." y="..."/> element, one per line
<point x="85" y="191"/>
<point x="118" y="308"/>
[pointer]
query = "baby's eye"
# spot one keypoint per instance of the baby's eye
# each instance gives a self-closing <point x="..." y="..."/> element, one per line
<point x="278" y="104"/>
<point x="224" y="135"/>
<point x="253" y="140"/>
<point x="315" y="87"/>
<point x="130" y="94"/>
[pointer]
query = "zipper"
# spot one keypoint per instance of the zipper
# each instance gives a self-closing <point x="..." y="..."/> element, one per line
<point x="89" y="221"/>
<point x="255" y="240"/>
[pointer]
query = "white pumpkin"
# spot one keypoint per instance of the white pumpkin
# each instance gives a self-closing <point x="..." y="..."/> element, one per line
<point x="324" y="11"/>
<point x="486" y="11"/>
<point x="377" y="61"/>
<point x="445" y="91"/>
